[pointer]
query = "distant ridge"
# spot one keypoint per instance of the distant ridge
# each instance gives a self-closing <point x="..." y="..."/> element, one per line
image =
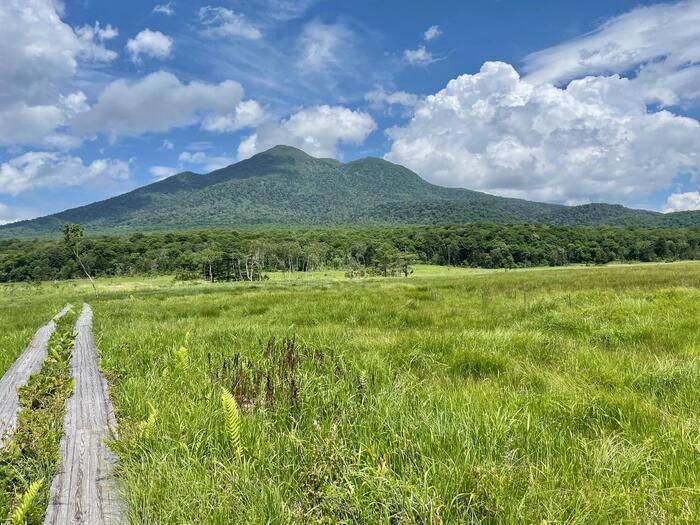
<point x="284" y="186"/>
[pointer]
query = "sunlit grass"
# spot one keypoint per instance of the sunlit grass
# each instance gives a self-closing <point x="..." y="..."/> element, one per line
<point x="23" y="309"/>
<point x="453" y="396"/>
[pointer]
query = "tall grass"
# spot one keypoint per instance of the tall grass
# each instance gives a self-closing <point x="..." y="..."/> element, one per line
<point x="550" y="395"/>
<point x="23" y="309"/>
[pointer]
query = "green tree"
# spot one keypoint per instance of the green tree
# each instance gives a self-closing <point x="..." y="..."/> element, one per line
<point x="405" y="262"/>
<point x="73" y="239"/>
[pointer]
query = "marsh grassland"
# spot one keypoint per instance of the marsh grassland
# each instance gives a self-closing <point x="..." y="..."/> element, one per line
<point x="452" y="396"/>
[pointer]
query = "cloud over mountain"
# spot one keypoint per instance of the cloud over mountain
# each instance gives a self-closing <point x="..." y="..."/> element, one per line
<point x="317" y="130"/>
<point x="157" y="102"/>
<point x="690" y="200"/>
<point x="494" y="131"/>
<point x="43" y="169"/>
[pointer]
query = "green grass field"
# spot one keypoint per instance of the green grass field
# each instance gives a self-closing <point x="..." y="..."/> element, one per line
<point x="23" y="308"/>
<point x="563" y="395"/>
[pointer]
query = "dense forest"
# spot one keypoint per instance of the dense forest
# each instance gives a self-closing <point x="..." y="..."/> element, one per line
<point x="248" y="254"/>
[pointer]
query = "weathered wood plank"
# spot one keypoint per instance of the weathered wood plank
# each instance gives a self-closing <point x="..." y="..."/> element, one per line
<point x="83" y="490"/>
<point x="30" y="362"/>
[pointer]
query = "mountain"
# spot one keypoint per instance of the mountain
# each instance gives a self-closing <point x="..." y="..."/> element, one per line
<point x="286" y="187"/>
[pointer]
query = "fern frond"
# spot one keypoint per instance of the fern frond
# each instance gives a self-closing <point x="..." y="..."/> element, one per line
<point x="183" y="357"/>
<point x="19" y="515"/>
<point x="233" y="421"/>
<point x="146" y="427"/>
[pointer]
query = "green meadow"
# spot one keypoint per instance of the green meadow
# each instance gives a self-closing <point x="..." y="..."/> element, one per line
<point x="565" y="395"/>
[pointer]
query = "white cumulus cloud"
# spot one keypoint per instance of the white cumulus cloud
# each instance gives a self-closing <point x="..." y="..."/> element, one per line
<point x="420" y="56"/>
<point x="687" y="201"/>
<point x="317" y="130"/>
<point x="92" y="39"/>
<point x="593" y="140"/>
<point x="41" y="55"/>
<point x="10" y="214"/>
<point x="379" y="97"/>
<point x="162" y="172"/>
<point x="40" y="51"/>
<point x="248" y="113"/>
<point x="43" y="169"/>
<point x="432" y="33"/>
<point x="158" y="102"/>
<point x="222" y="22"/>
<point x="206" y="162"/>
<point x="21" y="123"/>
<point x="149" y="43"/>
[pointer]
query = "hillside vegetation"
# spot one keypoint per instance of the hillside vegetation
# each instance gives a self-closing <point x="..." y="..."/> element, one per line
<point x="286" y="187"/>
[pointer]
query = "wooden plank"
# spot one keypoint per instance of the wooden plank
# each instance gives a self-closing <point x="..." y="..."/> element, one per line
<point x="30" y="362"/>
<point x="83" y="490"/>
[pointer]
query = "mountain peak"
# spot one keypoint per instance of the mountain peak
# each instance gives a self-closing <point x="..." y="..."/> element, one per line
<point x="284" y="186"/>
<point x="282" y="150"/>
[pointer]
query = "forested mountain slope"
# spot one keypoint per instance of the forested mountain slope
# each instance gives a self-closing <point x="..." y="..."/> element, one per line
<point x="286" y="187"/>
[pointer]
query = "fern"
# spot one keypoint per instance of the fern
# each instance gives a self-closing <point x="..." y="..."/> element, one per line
<point x="146" y="427"/>
<point x="19" y="515"/>
<point x="233" y="421"/>
<point x="183" y="357"/>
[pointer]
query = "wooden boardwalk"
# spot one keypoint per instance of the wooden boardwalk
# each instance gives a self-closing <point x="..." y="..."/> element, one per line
<point x="83" y="490"/>
<point x="30" y="362"/>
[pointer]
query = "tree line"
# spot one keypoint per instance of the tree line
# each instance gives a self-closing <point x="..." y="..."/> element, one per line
<point x="248" y="254"/>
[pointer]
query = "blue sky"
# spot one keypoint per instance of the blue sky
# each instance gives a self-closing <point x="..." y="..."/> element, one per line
<point x="569" y="102"/>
